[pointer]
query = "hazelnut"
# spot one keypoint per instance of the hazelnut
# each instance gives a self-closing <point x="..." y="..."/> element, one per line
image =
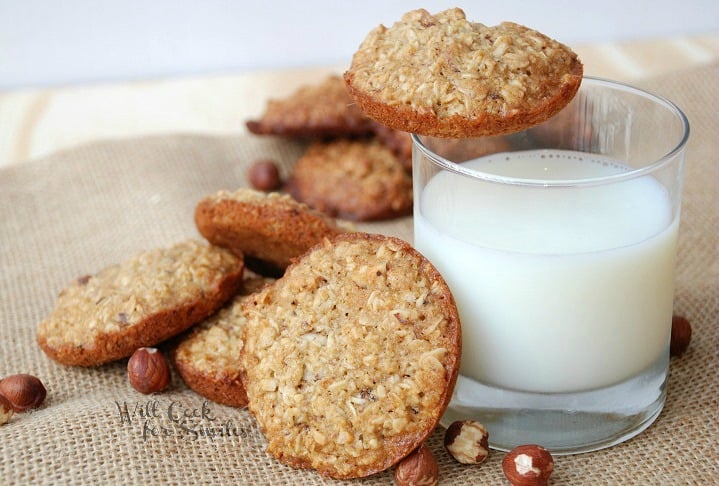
<point x="264" y="175"/>
<point x="148" y="370"/>
<point x="467" y="441"/>
<point x="528" y="465"/>
<point x="6" y="410"/>
<point x="419" y="468"/>
<point x="681" y="335"/>
<point x="23" y="391"/>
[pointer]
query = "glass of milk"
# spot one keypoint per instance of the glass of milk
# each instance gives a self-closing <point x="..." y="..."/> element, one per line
<point x="559" y="243"/>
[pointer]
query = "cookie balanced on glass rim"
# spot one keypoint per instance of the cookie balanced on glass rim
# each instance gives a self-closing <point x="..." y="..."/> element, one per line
<point x="444" y="76"/>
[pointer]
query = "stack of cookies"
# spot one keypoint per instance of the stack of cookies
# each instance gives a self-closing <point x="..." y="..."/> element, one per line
<point x="354" y="168"/>
<point x="344" y="345"/>
<point x="347" y="361"/>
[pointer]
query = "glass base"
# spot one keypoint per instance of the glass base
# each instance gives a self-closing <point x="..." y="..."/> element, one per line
<point x="564" y="423"/>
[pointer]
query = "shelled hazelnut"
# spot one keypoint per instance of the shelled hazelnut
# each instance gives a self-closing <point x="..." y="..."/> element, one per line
<point x="467" y="441"/>
<point x="418" y="468"/>
<point x="264" y="175"/>
<point x="528" y="465"/>
<point x="681" y="335"/>
<point x="23" y="391"/>
<point x="148" y="370"/>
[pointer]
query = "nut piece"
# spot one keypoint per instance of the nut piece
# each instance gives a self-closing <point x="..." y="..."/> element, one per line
<point x="467" y="441"/>
<point x="419" y="468"/>
<point x="528" y="465"/>
<point x="264" y="175"/>
<point x="23" y="391"/>
<point x="148" y="370"/>
<point x="6" y="410"/>
<point x="681" y="335"/>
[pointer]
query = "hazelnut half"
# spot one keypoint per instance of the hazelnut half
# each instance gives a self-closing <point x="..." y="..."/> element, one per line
<point x="681" y="335"/>
<point x="467" y="441"/>
<point x="6" y="410"/>
<point x="528" y="465"/>
<point x="148" y="370"/>
<point x="23" y="391"/>
<point x="419" y="468"/>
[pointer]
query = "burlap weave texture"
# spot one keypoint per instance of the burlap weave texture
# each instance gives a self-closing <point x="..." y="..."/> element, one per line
<point x="79" y="210"/>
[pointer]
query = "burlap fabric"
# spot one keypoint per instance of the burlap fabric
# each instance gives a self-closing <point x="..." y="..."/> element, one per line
<point x="74" y="212"/>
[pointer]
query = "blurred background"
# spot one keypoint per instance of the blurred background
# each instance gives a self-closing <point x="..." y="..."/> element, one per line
<point x="53" y="43"/>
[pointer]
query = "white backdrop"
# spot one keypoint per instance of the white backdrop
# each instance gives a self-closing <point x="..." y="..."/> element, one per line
<point x="51" y="42"/>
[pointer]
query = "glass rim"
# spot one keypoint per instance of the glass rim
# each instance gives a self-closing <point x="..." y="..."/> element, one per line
<point x="589" y="181"/>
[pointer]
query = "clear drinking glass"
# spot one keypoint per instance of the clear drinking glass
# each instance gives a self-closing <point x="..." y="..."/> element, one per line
<point x="559" y="244"/>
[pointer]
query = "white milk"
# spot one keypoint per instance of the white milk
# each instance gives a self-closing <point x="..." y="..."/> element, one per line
<point x="579" y="297"/>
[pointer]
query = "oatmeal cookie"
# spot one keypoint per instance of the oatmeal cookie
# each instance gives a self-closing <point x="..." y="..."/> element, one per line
<point x="350" y="359"/>
<point x="322" y="110"/>
<point x="360" y="180"/>
<point x="400" y="143"/>
<point x="207" y="358"/>
<point x="142" y="301"/>
<point x="271" y="228"/>
<point x="443" y="76"/>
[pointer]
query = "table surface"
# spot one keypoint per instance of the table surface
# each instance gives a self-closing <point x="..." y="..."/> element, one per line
<point x="38" y="122"/>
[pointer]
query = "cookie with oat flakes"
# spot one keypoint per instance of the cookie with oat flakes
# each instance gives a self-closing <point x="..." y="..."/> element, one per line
<point x="400" y="143"/>
<point x="319" y="110"/>
<point x="207" y="358"/>
<point x="351" y="357"/>
<point x="360" y="180"/>
<point x="269" y="228"/>
<point x="444" y="76"/>
<point x="146" y="299"/>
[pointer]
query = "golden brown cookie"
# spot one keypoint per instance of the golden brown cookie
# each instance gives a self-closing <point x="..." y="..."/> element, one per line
<point x="400" y="143"/>
<point x="208" y="356"/>
<point x="272" y="228"/>
<point x="140" y="302"/>
<point x="443" y="76"/>
<point x="360" y="180"/>
<point x="351" y="357"/>
<point x="322" y="110"/>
